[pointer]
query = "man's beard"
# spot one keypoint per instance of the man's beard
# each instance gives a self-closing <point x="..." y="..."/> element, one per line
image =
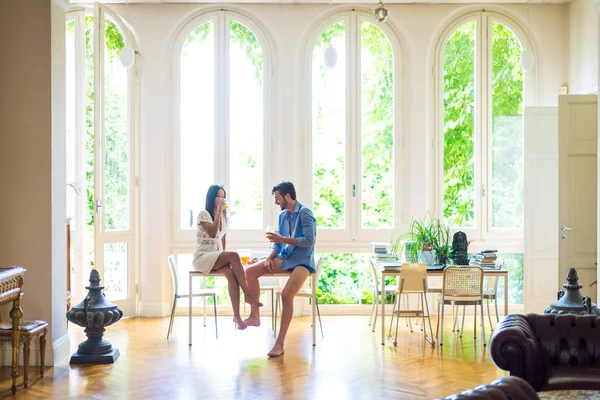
<point x="283" y="204"/>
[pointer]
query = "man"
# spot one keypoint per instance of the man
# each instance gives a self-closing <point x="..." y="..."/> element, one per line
<point x="292" y="250"/>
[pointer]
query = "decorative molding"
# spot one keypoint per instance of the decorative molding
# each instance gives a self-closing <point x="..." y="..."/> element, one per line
<point x="64" y="4"/>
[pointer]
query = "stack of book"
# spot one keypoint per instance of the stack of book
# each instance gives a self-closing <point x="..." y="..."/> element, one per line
<point x="380" y="251"/>
<point x="486" y="258"/>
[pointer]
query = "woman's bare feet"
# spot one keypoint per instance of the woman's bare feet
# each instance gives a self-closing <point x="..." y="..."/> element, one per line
<point x="276" y="351"/>
<point x="240" y="324"/>
<point x="253" y="302"/>
<point x="252" y="321"/>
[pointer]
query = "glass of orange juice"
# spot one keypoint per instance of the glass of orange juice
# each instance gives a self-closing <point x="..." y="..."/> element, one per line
<point x="244" y="256"/>
<point x="225" y="205"/>
<point x="270" y="230"/>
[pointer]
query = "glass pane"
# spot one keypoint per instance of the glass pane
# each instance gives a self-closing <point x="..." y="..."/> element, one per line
<point x="116" y="131"/>
<point x="329" y="130"/>
<point x="513" y="262"/>
<point x="507" y="129"/>
<point x="196" y="166"/>
<point x="71" y="150"/>
<point x="116" y="271"/>
<point x="346" y="279"/>
<point x="459" y="127"/>
<point x="377" y="130"/>
<point x="88" y="239"/>
<point x="246" y="128"/>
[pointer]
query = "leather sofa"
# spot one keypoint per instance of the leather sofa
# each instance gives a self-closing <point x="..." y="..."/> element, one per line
<point x="550" y="351"/>
<point x="507" y="388"/>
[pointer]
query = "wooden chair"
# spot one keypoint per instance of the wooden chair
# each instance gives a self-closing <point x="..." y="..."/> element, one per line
<point x="461" y="286"/>
<point x="413" y="280"/>
<point x="27" y="330"/>
<point x="204" y="293"/>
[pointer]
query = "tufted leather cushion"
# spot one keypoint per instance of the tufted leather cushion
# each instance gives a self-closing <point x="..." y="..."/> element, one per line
<point x="507" y="388"/>
<point x="550" y="351"/>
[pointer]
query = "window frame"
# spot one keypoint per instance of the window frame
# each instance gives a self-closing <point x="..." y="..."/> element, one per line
<point x="482" y="234"/>
<point x="353" y="238"/>
<point x="222" y="19"/>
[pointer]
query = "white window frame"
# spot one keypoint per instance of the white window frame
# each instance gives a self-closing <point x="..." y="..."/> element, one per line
<point x="236" y="237"/>
<point x="482" y="234"/>
<point x="353" y="238"/>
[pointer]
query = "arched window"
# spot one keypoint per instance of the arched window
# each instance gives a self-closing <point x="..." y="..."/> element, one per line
<point x="353" y="129"/>
<point x="482" y="93"/>
<point x="220" y="116"/>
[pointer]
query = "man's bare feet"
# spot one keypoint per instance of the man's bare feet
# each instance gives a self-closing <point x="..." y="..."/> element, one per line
<point x="240" y="324"/>
<point x="276" y="351"/>
<point x="252" y="321"/>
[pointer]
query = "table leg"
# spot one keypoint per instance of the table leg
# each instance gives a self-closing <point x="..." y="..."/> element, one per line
<point x="382" y="308"/>
<point x="506" y="294"/>
<point x="190" y="311"/>
<point x="15" y="314"/>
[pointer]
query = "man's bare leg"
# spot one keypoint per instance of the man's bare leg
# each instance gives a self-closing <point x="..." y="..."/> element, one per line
<point x="232" y="258"/>
<point x="234" y="294"/>
<point x="254" y="272"/>
<point x="292" y="287"/>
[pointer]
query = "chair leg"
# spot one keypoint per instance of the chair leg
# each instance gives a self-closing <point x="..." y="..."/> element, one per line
<point x="275" y="325"/>
<point x="442" y="326"/>
<point x="437" y="328"/>
<point x="376" y="310"/>
<point x="489" y="315"/>
<point x="215" y="310"/>
<point x="475" y="319"/>
<point x="273" y="309"/>
<point x="319" y="315"/>
<point x="373" y="303"/>
<point x="428" y="319"/>
<point x="483" y="325"/>
<point x="172" y="316"/>
<point x="496" y="304"/>
<point x="462" y="327"/>
<point x="26" y="351"/>
<point x="397" y="319"/>
<point x="43" y="352"/>
<point x="397" y="301"/>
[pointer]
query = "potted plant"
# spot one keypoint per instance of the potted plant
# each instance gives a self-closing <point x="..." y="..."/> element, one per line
<point x="426" y="240"/>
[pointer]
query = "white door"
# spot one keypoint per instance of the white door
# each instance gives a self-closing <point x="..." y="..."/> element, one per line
<point x="114" y="181"/>
<point x="541" y="207"/>
<point x="578" y="170"/>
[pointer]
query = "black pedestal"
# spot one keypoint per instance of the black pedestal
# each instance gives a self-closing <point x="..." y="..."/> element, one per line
<point x="107" y="358"/>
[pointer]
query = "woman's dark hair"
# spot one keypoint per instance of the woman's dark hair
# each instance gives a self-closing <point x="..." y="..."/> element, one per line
<point x="285" y="188"/>
<point x="211" y="196"/>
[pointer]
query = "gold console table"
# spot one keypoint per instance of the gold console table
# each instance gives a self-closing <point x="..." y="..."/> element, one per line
<point x="11" y="289"/>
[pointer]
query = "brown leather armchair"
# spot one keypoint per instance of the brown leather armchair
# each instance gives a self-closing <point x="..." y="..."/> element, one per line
<point x="507" y="388"/>
<point x="550" y="351"/>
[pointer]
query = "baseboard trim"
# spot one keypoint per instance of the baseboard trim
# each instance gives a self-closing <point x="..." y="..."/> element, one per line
<point x="61" y="349"/>
<point x="58" y="352"/>
<point x="154" y="309"/>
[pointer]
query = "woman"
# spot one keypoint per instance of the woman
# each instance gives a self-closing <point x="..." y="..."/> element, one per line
<point x="210" y="252"/>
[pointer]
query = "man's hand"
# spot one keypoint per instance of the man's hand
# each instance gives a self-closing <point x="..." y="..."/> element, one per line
<point x="274" y="237"/>
<point x="269" y="266"/>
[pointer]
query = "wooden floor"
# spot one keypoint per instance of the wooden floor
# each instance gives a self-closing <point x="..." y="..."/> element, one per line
<point x="348" y="363"/>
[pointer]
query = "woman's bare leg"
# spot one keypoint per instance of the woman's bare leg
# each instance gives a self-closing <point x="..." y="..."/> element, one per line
<point x="234" y="295"/>
<point x="232" y="258"/>
<point x="293" y="285"/>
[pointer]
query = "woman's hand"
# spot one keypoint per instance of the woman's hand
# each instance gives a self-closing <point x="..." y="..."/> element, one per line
<point x="220" y="201"/>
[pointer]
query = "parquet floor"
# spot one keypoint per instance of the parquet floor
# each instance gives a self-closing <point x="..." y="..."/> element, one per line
<point x="348" y="363"/>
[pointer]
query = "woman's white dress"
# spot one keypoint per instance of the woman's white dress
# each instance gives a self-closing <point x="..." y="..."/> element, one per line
<point x="207" y="248"/>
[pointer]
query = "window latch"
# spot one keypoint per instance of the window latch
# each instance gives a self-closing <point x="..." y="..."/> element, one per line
<point x="353" y="190"/>
<point x="482" y="190"/>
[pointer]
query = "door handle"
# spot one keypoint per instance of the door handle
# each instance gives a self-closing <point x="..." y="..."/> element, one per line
<point x="565" y="228"/>
<point x="98" y="204"/>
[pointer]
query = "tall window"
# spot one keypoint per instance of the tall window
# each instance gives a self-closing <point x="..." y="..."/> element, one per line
<point x="483" y="128"/>
<point x="353" y="130"/>
<point x="221" y="120"/>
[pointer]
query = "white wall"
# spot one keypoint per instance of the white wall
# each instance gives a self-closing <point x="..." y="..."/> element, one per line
<point x="32" y="162"/>
<point x="582" y="54"/>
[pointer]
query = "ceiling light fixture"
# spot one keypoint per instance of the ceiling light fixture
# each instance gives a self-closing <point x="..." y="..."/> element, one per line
<point x="381" y="13"/>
